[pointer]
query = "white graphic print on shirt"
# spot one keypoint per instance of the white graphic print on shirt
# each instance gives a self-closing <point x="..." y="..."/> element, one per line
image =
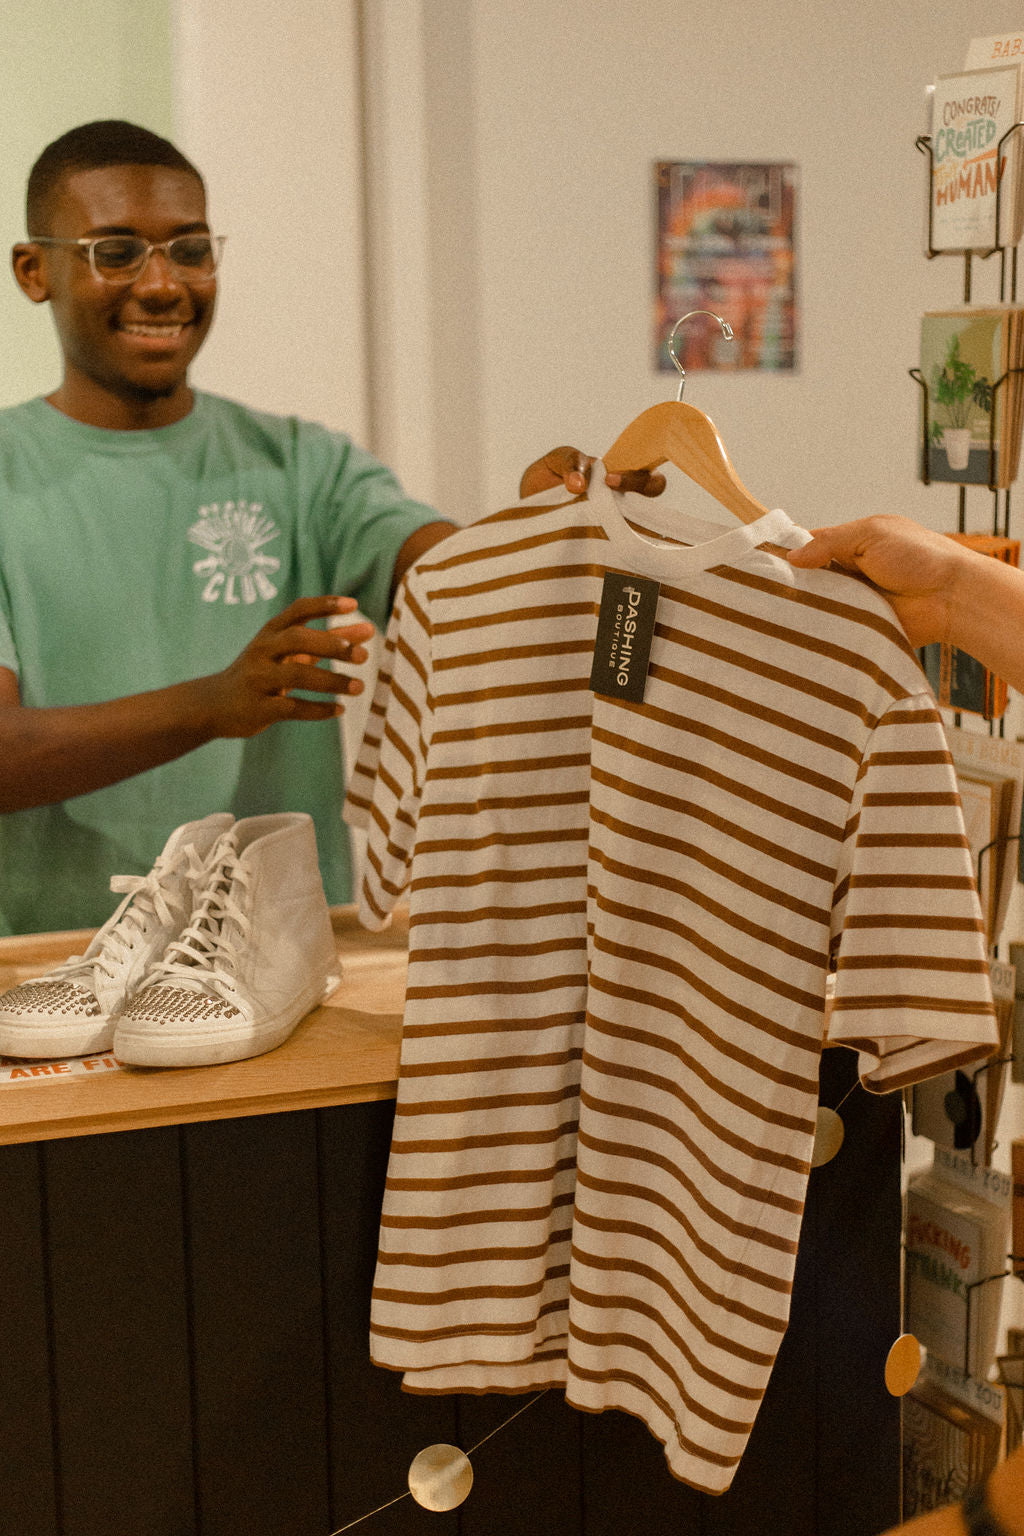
<point x="622" y="917"/>
<point x="236" y="569"/>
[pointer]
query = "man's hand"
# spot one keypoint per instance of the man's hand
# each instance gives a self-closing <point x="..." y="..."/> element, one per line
<point x="916" y="569"/>
<point x="53" y="753"/>
<point x="257" y="688"/>
<point x="571" y="468"/>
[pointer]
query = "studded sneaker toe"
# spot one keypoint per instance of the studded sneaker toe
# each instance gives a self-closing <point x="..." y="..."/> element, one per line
<point x="73" y="1009"/>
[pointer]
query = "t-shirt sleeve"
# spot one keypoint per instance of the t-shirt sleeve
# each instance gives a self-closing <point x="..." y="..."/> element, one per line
<point x="8" y="651"/>
<point x="361" y="517"/>
<point x="912" y="991"/>
<point x="387" y="781"/>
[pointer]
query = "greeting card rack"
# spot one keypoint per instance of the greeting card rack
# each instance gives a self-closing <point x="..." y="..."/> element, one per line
<point x="1008" y="275"/>
<point x="1007" y="295"/>
<point x="1015" y="1261"/>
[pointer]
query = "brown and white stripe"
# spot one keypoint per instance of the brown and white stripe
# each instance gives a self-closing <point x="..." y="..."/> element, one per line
<point x="622" y="921"/>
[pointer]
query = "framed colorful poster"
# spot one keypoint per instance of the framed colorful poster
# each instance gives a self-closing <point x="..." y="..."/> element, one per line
<point x="726" y="242"/>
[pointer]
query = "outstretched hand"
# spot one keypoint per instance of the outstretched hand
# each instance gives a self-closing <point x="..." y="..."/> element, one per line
<point x="258" y="688"/>
<point x="914" y="567"/>
<point x="571" y="468"/>
<point x="940" y="588"/>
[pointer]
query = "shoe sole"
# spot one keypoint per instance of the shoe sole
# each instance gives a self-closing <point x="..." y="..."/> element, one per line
<point x="50" y="1041"/>
<point x="149" y="1048"/>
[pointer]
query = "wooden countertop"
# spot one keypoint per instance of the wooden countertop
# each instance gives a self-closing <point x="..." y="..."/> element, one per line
<point x="344" y="1052"/>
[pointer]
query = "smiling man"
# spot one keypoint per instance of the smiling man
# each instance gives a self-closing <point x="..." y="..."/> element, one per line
<point x="130" y="317"/>
<point x="166" y="556"/>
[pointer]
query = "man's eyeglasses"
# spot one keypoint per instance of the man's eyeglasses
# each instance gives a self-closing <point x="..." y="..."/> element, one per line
<point x="123" y="258"/>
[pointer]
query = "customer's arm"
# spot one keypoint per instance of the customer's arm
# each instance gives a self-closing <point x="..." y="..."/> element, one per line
<point x="940" y="589"/>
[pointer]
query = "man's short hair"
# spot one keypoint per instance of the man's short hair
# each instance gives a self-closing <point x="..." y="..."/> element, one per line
<point x="91" y="147"/>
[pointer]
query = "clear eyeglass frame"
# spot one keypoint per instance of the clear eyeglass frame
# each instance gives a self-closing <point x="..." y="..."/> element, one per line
<point x="194" y="272"/>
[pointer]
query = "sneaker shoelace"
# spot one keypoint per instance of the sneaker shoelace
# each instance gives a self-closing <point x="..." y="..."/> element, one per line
<point x="160" y="895"/>
<point x="204" y="956"/>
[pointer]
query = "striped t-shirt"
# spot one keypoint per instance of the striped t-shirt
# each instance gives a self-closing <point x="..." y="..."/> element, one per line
<point x="622" y="917"/>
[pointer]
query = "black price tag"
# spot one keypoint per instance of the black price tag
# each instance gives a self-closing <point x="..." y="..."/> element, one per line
<point x="625" y="629"/>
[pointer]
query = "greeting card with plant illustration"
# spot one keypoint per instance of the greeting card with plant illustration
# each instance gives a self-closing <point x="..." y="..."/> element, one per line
<point x="965" y="355"/>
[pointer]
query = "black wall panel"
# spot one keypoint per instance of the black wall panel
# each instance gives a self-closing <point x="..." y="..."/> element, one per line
<point x="376" y="1428"/>
<point x="529" y="1476"/>
<point x="119" y="1334"/>
<point x="29" y="1490"/>
<point x="857" y="1213"/>
<point x="254" y="1277"/>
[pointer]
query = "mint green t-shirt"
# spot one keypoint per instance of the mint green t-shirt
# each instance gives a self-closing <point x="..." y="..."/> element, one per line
<point x="133" y="560"/>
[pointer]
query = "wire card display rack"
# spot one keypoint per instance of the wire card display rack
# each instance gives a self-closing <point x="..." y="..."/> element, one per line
<point x="1008" y="266"/>
<point x="1008" y="274"/>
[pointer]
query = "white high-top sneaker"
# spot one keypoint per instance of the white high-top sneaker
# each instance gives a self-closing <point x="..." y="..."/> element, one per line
<point x="73" y="1009"/>
<point x="253" y="961"/>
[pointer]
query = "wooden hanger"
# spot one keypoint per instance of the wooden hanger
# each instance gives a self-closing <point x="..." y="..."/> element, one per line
<point x="678" y="433"/>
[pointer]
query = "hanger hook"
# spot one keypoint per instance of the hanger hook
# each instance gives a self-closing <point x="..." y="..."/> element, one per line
<point x="727" y="332"/>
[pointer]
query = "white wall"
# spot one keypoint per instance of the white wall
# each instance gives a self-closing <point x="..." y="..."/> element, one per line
<point x="540" y="125"/>
<point x="267" y="103"/>
<point x="66" y="62"/>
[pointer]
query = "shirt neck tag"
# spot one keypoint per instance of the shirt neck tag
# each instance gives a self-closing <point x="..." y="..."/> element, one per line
<point x="625" y="629"/>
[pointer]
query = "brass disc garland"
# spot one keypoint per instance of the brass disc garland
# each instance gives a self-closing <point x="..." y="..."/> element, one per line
<point x="828" y="1136"/>
<point x="440" y="1477"/>
<point x="903" y="1365"/>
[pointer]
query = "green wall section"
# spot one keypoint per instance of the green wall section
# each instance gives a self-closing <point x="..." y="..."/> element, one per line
<point x="66" y="62"/>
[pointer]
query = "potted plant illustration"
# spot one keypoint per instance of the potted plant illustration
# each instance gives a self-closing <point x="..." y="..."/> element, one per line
<point x="959" y="390"/>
